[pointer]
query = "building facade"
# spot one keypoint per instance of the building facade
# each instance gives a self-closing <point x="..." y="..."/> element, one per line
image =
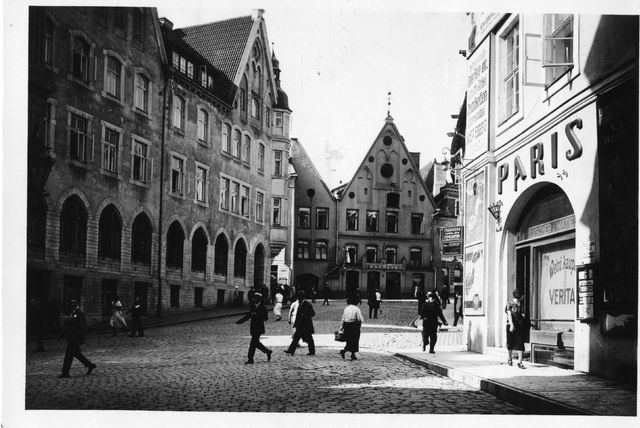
<point x="150" y="159"/>
<point x="315" y="226"/>
<point x="550" y="190"/>
<point x="384" y="222"/>
<point x="94" y="144"/>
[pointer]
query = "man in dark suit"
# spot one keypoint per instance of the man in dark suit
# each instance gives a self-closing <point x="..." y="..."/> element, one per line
<point x="457" y="308"/>
<point x="136" y="315"/>
<point x="303" y="325"/>
<point x="258" y="315"/>
<point x="430" y="313"/>
<point x="75" y="329"/>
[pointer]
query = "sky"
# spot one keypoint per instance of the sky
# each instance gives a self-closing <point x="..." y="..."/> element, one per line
<point x="339" y="61"/>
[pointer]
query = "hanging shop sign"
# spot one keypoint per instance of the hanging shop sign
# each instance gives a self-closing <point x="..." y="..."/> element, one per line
<point x="452" y="248"/>
<point x="477" y="129"/>
<point x="452" y="234"/>
<point x="586" y="282"/>
<point x="544" y="152"/>
<point x="481" y="25"/>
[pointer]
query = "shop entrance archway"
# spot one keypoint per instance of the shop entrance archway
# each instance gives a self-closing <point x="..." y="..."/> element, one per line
<point x="545" y="273"/>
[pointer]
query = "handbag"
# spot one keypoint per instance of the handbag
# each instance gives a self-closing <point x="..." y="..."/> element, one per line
<point x="339" y="336"/>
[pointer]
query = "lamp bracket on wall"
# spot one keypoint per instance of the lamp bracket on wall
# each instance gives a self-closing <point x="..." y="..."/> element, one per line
<point x="494" y="209"/>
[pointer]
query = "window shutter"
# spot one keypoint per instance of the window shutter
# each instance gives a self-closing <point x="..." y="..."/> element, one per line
<point x="90" y="157"/>
<point x="148" y="170"/>
<point x="93" y="69"/>
<point x="533" y="71"/>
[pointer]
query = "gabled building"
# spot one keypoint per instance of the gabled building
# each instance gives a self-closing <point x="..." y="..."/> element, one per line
<point x="315" y="226"/>
<point x="384" y="221"/>
<point x="226" y="148"/>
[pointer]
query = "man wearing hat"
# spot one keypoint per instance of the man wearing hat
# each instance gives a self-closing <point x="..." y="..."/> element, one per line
<point x="258" y="315"/>
<point x="303" y="325"/>
<point x="75" y="329"/>
<point x="430" y="313"/>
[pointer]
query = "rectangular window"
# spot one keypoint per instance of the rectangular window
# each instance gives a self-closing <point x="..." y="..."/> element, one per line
<point x="242" y="94"/>
<point x="510" y="82"/>
<point x="393" y="200"/>
<point x="372" y="254"/>
<point x="275" y="215"/>
<point x="259" y="207"/>
<point x="79" y="139"/>
<point x="372" y="221"/>
<point x="391" y="253"/>
<point x="416" y="223"/>
<point x="80" y="59"/>
<point x="237" y="143"/>
<point x="197" y="297"/>
<point x="48" y="42"/>
<point x="267" y="117"/>
<point x="321" y="250"/>
<point x="138" y="25"/>
<point x="177" y="175"/>
<point x="392" y="222"/>
<point x="260" y="157"/>
<point x="226" y="138"/>
<point x="110" y="147"/>
<point x="140" y="162"/>
<point x="244" y="201"/>
<point x="235" y="191"/>
<point x="303" y="249"/>
<point x="246" y="149"/>
<point x="174" y="298"/>
<point x="415" y="257"/>
<point x="304" y="218"/>
<point x="203" y="125"/>
<point x="558" y="45"/>
<point x="178" y="112"/>
<point x="112" y="83"/>
<point x="278" y="118"/>
<point x="322" y="218"/>
<point x="201" y="184"/>
<point x="277" y="162"/>
<point x="351" y="253"/>
<point x="224" y="193"/>
<point x="352" y="219"/>
<point x="141" y="96"/>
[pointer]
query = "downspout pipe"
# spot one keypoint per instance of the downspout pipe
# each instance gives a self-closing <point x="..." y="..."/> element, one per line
<point x="167" y="84"/>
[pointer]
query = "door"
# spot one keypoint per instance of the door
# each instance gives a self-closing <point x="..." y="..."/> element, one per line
<point x="392" y="288"/>
<point x="373" y="281"/>
<point x="353" y="281"/>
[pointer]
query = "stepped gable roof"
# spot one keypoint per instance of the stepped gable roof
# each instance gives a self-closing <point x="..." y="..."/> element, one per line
<point x="222" y="43"/>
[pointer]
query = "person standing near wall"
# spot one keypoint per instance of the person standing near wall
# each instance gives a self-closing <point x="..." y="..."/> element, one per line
<point x="457" y="308"/>
<point x="515" y="328"/>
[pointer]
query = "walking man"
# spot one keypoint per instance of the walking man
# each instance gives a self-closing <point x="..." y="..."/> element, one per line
<point x="303" y="325"/>
<point x="326" y="293"/>
<point x="431" y="311"/>
<point x="136" y="315"/>
<point x="258" y="315"/>
<point x="75" y="329"/>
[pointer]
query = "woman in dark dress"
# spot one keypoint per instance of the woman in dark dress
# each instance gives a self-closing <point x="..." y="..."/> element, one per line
<point x="351" y="322"/>
<point x="515" y="328"/>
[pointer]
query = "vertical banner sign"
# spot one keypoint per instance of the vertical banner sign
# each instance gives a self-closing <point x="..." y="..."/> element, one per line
<point x="473" y="280"/>
<point x="474" y="209"/>
<point x="585" y="292"/>
<point x="557" y="284"/>
<point x="477" y="132"/>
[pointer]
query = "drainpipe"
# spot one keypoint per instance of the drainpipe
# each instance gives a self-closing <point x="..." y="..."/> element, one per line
<point x="167" y="85"/>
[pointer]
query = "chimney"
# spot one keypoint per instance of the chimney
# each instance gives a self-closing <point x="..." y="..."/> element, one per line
<point x="257" y="13"/>
<point x="416" y="159"/>
<point x="166" y="23"/>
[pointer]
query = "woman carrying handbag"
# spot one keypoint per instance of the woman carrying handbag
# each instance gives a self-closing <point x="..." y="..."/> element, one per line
<point x="351" y="322"/>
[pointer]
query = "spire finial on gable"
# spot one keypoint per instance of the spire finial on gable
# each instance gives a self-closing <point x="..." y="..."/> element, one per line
<point x="389" y="118"/>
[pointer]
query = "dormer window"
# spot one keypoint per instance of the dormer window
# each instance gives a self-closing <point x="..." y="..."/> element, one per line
<point x="182" y="65"/>
<point x="206" y="79"/>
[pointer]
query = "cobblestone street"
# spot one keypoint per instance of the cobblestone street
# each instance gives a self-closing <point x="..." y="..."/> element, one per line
<point x="199" y="367"/>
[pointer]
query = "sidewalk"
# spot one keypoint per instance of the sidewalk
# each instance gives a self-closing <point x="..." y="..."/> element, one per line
<point x="540" y="389"/>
